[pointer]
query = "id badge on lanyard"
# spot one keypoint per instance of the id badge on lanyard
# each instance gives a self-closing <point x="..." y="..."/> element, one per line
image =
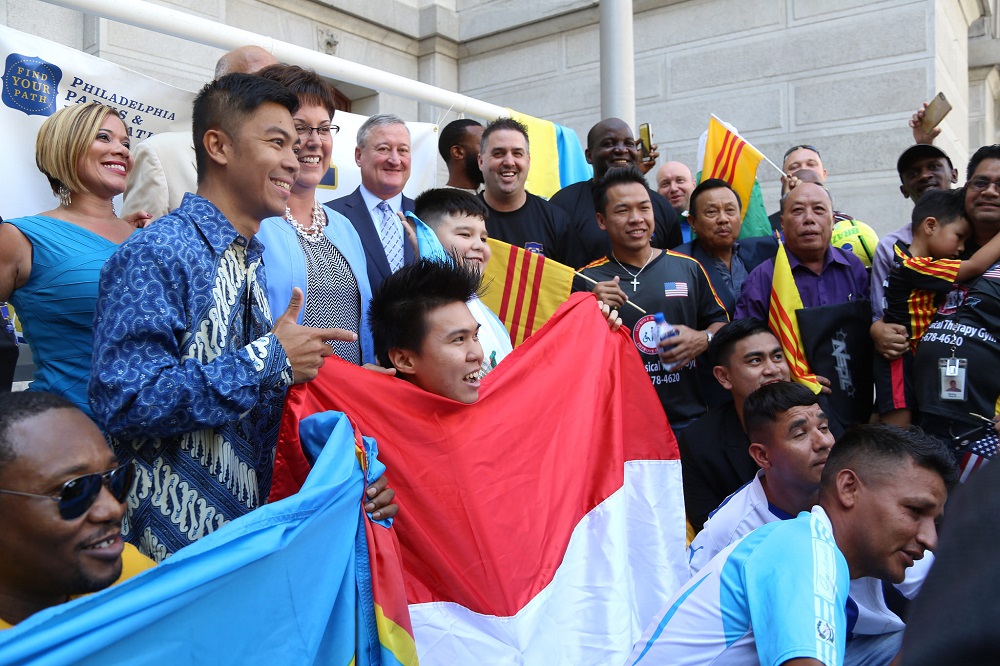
<point x="951" y="371"/>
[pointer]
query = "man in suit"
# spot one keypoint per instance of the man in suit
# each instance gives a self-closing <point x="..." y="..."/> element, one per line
<point x="715" y="214"/>
<point x="714" y="449"/>
<point x="164" y="163"/>
<point x="383" y="155"/>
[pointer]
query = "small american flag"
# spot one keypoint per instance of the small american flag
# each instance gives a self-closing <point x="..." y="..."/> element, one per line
<point x="675" y="289"/>
<point x="993" y="272"/>
<point x="980" y="452"/>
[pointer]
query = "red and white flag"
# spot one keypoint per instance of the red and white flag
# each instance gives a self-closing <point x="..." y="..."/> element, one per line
<point x="543" y="524"/>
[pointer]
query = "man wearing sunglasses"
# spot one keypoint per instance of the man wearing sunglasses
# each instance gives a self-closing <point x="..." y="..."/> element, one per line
<point x="61" y="504"/>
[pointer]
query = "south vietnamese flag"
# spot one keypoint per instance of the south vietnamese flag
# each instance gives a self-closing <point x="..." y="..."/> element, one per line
<point x="543" y="524"/>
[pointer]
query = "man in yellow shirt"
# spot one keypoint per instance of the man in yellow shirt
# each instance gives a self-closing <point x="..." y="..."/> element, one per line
<point x="61" y="504"/>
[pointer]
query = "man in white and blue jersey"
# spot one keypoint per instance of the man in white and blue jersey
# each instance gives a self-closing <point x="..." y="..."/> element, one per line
<point x="779" y="595"/>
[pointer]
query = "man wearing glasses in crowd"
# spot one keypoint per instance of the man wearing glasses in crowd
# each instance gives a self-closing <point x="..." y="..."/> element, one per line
<point x="62" y="498"/>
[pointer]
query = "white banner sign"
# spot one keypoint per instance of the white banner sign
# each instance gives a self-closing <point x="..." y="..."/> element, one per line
<point x="40" y="77"/>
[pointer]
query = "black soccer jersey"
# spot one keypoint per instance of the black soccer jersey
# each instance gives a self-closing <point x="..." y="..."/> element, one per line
<point x="677" y="286"/>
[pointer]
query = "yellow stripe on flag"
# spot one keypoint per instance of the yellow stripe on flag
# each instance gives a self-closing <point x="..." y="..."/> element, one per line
<point x="395" y="639"/>
<point x="524" y="289"/>
<point x="785" y="301"/>
<point x="543" y="176"/>
<point x="729" y="157"/>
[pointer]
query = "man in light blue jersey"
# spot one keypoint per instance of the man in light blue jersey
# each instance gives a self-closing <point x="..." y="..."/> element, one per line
<point x="779" y="595"/>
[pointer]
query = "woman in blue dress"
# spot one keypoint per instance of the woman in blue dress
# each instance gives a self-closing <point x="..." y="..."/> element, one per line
<point x="50" y="263"/>
<point x="313" y="247"/>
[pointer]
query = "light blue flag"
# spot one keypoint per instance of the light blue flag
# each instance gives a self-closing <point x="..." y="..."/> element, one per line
<point x="285" y="584"/>
<point x="427" y="241"/>
<point x="573" y="165"/>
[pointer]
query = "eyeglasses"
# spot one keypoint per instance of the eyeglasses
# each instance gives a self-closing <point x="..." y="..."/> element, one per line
<point x="801" y="146"/>
<point x="982" y="183"/>
<point x="79" y="494"/>
<point x="323" y="131"/>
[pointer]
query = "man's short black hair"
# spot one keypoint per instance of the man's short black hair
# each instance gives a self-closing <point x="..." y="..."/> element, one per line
<point x="397" y="314"/>
<point x="612" y="177"/>
<point x="452" y="135"/>
<point x="227" y="102"/>
<point x="945" y="206"/>
<point x="725" y="339"/>
<point x="984" y="153"/>
<point x="503" y="124"/>
<point x="874" y="450"/>
<point x="706" y="185"/>
<point x="762" y="407"/>
<point x="434" y="205"/>
<point x="16" y="407"/>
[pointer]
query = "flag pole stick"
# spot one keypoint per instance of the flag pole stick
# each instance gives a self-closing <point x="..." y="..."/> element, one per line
<point x="777" y="168"/>
<point x="593" y="281"/>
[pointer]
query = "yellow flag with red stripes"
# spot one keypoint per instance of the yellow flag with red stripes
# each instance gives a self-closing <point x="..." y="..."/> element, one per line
<point x="524" y="289"/>
<point x="729" y="157"/>
<point x="785" y="301"/>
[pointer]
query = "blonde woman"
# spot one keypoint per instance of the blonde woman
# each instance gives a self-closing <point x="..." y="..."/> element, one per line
<point x="50" y="263"/>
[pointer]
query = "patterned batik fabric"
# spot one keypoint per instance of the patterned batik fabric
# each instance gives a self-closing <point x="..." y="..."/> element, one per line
<point x="187" y="380"/>
<point x="333" y="299"/>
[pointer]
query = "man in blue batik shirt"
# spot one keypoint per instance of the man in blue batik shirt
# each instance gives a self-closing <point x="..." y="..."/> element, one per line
<point x="188" y="373"/>
<point x="779" y="594"/>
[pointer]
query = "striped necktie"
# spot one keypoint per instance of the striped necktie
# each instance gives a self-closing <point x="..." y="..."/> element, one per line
<point x="392" y="237"/>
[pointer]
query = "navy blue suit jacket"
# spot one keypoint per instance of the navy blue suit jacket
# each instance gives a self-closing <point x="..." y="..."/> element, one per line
<point x="753" y="251"/>
<point x="352" y="206"/>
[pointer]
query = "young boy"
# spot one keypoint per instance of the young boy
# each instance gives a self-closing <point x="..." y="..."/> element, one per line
<point x="458" y="219"/>
<point x="921" y="276"/>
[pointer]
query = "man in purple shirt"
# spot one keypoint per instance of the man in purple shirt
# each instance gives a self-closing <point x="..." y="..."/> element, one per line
<point x="824" y="275"/>
<point x="833" y="285"/>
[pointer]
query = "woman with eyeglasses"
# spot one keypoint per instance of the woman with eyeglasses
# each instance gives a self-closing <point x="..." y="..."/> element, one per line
<point x="313" y="247"/>
<point x="50" y="263"/>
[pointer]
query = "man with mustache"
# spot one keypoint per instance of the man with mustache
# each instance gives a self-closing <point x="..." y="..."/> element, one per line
<point x="807" y="588"/>
<point x="54" y="551"/>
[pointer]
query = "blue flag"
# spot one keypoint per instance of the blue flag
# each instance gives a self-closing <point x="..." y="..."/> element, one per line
<point x="288" y="583"/>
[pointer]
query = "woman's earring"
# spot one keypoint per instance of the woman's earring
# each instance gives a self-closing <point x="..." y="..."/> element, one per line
<point x="64" y="195"/>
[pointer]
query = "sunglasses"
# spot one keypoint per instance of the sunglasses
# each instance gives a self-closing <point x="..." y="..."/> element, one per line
<point x="800" y="146"/>
<point x="79" y="494"/>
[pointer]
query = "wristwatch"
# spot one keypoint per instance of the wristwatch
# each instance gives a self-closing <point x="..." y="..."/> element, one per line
<point x="709" y="335"/>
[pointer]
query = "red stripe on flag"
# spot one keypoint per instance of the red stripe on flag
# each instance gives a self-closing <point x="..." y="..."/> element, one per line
<point x="898" y="394"/>
<point x="788" y="342"/>
<point x="536" y="287"/>
<point x="721" y="155"/>
<point x="508" y="282"/>
<point x="731" y="173"/>
<point x="522" y="282"/>
<point x="733" y="145"/>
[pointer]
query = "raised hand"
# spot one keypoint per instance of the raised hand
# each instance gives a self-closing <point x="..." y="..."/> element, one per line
<point x="305" y="346"/>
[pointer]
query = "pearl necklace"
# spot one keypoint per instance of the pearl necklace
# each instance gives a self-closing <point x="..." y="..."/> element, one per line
<point x="314" y="233"/>
<point x="635" y="276"/>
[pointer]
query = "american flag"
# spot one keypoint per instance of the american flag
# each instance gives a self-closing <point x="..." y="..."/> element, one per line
<point x="993" y="272"/>
<point x="675" y="289"/>
<point x="980" y="452"/>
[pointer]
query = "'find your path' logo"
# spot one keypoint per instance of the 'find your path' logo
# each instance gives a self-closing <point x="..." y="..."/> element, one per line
<point x="30" y="85"/>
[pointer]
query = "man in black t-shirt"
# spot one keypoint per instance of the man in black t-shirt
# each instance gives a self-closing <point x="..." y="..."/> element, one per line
<point x="657" y="281"/>
<point x="517" y="216"/>
<point x="610" y="143"/>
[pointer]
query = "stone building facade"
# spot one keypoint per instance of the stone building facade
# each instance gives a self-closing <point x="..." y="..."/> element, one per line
<point x="844" y="75"/>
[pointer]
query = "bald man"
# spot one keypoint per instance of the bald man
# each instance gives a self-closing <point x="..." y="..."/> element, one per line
<point x="164" y="163"/>
<point x="675" y="183"/>
<point x="610" y="143"/>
